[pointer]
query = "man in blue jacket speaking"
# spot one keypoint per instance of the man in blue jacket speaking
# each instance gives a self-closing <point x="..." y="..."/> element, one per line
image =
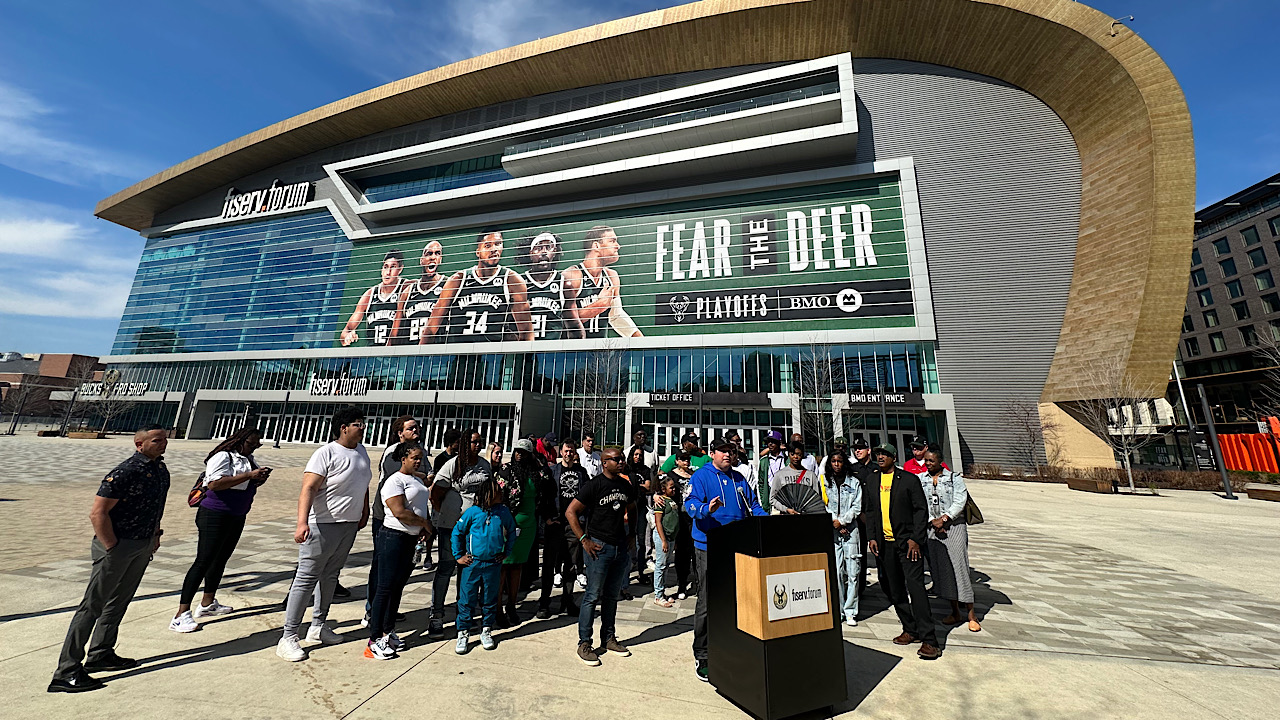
<point x="718" y="495"/>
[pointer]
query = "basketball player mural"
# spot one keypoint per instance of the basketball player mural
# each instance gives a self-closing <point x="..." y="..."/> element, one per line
<point x="485" y="303"/>
<point x="419" y="297"/>
<point x="594" y="289"/>
<point x="551" y="316"/>
<point x="379" y="306"/>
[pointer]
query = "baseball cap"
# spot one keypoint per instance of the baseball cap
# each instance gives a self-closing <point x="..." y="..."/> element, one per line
<point x="550" y="438"/>
<point x="860" y="444"/>
<point x="840" y="441"/>
<point x="525" y="445"/>
<point x="887" y="449"/>
<point x="689" y="437"/>
<point x="722" y="443"/>
<point x="773" y="435"/>
<point x="919" y="441"/>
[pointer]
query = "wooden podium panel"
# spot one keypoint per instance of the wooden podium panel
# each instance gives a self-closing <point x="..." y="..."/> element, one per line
<point x="754" y="597"/>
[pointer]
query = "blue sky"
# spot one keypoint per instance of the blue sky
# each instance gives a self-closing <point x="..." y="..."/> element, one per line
<point x="95" y="96"/>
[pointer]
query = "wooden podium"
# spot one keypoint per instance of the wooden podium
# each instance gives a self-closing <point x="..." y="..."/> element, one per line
<point x="774" y="643"/>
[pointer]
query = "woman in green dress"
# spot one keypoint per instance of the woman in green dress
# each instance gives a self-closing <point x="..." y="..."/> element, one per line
<point x="519" y="481"/>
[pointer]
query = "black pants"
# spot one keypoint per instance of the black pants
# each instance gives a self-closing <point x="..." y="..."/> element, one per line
<point x="529" y="573"/>
<point x="219" y="534"/>
<point x="902" y="580"/>
<point x="558" y="555"/>
<point x="444" y="570"/>
<point x="395" y="565"/>
<point x="866" y="558"/>
<point x="684" y="552"/>
<point x="375" y="528"/>
<point x="700" y="610"/>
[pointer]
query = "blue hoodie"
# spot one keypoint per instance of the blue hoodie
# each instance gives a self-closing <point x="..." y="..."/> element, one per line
<point x="739" y="500"/>
<point x="484" y="534"/>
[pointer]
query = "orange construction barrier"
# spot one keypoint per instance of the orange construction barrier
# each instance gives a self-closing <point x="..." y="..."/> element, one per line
<point x="1251" y="451"/>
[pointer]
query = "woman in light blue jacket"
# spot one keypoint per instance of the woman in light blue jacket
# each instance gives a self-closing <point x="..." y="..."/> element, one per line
<point x="948" y="546"/>
<point x="844" y="502"/>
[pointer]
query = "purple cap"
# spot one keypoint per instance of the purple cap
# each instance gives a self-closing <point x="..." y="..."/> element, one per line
<point x="774" y="435"/>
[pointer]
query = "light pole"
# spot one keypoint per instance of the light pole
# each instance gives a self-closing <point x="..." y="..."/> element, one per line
<point x="1213" y="443"/>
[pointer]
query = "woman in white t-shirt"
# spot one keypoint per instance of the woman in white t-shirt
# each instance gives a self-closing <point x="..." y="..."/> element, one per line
<point x="231" y="477"/>
<point x="407" y="503"/>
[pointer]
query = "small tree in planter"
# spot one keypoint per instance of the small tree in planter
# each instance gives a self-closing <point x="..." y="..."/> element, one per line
<point x="1033" y="439"/>
<point x="1117" y="417"/>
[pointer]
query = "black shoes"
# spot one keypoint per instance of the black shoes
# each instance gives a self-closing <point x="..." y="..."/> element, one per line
<point x="341" y="592"/>
<point x="544" y="613"/>
<point x="703" y="672"/>
<point x="400" y="617"/>
<point x="80" y="682"/>
<point x="435" y="628"/>
<point x="110" y="662"/>
<point x="569" y="608"/>
<point x="513" y="617"/>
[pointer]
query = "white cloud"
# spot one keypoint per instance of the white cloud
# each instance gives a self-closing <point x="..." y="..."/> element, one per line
<point x="29" y="142"/>
<point x="54" y="265"/>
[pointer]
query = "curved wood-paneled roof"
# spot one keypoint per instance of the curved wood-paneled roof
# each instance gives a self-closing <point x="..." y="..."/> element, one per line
<point x="1120" y="101"/>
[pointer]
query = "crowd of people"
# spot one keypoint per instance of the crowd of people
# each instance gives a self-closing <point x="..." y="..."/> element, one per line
<point x="559" y="513"/>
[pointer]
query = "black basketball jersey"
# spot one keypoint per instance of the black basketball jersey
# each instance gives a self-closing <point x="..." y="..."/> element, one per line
<point x="381" y="314"/>
<point x="418" y="304"/>
<point x="481" y="308"/>
<point x="546" y="306"/>
<point x="598" y="326"/>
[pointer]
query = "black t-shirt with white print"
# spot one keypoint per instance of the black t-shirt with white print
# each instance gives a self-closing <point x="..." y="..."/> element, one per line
<point x="606" y="501"/>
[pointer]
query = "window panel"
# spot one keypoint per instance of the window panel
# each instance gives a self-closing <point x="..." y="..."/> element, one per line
<point x="1248" y="336"/>
<point x="1198" y="277"/>
<point x="1221" y="247"/>
<point x="1241" y="310"/>
<point x="1228" y="267"/>
<point x="1216" y="342"/>
<point x="1271" y="303"/>
<point x="1235" y="289"/>
<point x="1250" y="235"/>
<point x="1193" y="347"/>
<point x="1205" y="297"/>
<point x="1195" y="256"/>
<point x="1264" y="280"/>
<point x="1210" y="318"/>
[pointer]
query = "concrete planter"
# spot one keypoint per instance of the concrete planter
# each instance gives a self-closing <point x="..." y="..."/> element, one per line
<point x="86" y="435"/>
<point x="1087" y="485"/>
<point x="1263" y="491"/>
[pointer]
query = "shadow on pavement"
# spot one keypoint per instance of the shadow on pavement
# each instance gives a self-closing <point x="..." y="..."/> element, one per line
<point x="864" y="670"/>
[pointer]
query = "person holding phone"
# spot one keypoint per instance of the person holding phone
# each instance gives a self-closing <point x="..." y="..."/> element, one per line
<point x="231" y="478"/>
<point x="718" y="495"/>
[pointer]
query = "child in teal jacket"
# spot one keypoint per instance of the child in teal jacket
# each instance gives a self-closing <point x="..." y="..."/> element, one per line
<point x="482" y="537"/>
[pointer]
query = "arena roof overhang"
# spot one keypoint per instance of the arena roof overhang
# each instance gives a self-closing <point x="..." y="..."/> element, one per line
<point x="1121" y="102"/>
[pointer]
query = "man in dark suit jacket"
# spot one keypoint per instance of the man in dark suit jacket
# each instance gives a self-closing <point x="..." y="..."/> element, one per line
<point x="897" y="521"/>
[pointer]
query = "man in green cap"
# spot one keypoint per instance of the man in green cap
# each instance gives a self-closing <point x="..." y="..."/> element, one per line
<point x="898" y="524"/>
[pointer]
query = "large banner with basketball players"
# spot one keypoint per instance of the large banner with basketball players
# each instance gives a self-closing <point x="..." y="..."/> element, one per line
<point x="818" y="257"/>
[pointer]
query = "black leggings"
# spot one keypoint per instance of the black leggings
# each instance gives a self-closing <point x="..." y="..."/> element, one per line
<point x="684" y="551"/>
<point x="219" y="533"/>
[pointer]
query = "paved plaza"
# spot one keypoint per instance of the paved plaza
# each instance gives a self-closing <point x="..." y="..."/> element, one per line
<point x="1092" y="606"/>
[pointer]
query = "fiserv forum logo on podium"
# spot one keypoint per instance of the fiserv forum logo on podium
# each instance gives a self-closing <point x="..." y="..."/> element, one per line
<point x="796" y="594"/>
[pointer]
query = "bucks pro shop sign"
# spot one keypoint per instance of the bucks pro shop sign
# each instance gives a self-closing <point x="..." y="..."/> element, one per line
<point x="797" y="594"/>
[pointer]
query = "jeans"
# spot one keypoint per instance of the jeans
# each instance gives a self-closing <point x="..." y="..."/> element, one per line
<point x="394" y="554"/>
<point x="848" y="563"/>
<point x="557" y="554"/>
<point x="660" y="560"/>
<point x="479" y="581"/>
<point x="219" y="534"/>
<point x="607" y="573"/>
<point x="375" y="526"/>
<point x="700" y="610"/>
<point x="902" y="581"/>
<point x="444" y="571"/>
<point x="112" y="582"/>
<point x="320" y="560"/>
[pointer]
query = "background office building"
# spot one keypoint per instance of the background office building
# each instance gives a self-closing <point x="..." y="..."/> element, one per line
<point x="842" y="218"/>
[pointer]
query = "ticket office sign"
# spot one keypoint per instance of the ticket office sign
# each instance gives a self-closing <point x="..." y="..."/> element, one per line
<point x="821" y="257"/>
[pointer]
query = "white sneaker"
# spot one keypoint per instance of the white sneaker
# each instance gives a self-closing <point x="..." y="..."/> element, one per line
<point x="851" y="621"/>
<point x="461" y="648"/>
<point x="379" y="649"/>
<point x="184" y="623"/>
<point x="486" y="640"/>
<point x="395" y="642"/>
<point x="289" y="649"/>
<point x="557" y="580"/>
<point x="582" y="581"/>
<point x="322" y="634"/>
<point x="364" y="621"/>
<point x="213" y="610"/>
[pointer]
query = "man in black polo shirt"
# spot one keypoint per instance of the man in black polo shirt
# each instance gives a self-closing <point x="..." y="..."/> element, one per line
<point x="605" y="500"/>
<point x="561" y="554"/>
<point x="126" y="533"/>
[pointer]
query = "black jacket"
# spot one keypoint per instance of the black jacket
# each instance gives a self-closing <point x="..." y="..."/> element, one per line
<point x="908" y="509"/>
<point x="869" y="478"/>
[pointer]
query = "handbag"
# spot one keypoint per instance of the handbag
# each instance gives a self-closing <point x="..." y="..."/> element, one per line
<point x="972" y="515"/>
<point x="198" y="492"/>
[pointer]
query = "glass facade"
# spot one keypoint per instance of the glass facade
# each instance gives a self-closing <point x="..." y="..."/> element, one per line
<point x="463" y="173"/>
<point x="268" y="285"/>
<point x="899" y="367"/>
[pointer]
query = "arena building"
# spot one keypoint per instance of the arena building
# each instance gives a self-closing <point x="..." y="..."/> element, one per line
<point x="844" y="217"/>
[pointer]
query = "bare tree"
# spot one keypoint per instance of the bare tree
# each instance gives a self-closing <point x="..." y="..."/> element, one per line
<point x="1033" y="438"/>
<point x="814" y="383"/>
<point x="1267" y="354"/>
<point x="21" y="398"/>
<point x="600" y="379"/>
<point x="1118" y="417"/>
<point x="82" y="371"/>
<point x="110" y="403"/>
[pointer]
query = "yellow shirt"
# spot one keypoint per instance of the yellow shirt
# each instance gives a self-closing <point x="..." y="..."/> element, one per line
<point x="886" y="485"/>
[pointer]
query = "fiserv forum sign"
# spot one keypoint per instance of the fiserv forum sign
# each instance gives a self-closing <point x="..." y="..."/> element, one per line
<point x="823" y="257"/>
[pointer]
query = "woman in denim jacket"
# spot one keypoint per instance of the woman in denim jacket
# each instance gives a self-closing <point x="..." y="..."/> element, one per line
<point x="948" y="546"/>
<point x="844" y="502"/>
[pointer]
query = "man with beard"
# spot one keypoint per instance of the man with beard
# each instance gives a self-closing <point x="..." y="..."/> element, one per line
<point x="594" y="289"/>
<point x="419" y="297"/>
<point x="485" y="303"/>
<point x="549" y="314"/>
<point x="379" y="306"/>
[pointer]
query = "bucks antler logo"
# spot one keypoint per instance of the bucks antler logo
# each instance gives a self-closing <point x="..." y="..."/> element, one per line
<point x="679" y="306"/>
<point x="780" y="596"/>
